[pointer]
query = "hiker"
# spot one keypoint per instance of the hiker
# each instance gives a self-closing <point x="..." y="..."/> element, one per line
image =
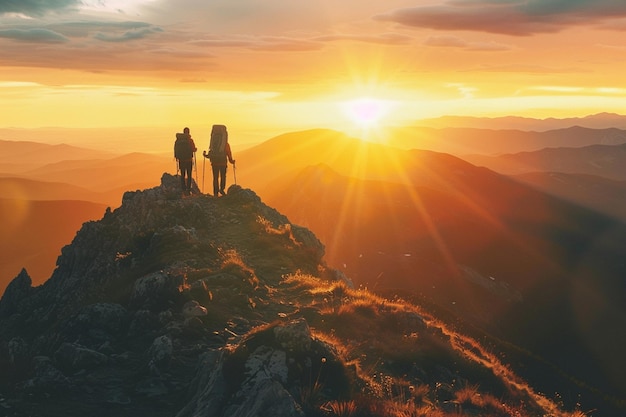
<point x="184" y="148"/>
<point x="219" y="155"/>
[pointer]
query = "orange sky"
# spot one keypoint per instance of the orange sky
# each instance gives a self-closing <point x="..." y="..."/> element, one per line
<point x="279" y="65"/>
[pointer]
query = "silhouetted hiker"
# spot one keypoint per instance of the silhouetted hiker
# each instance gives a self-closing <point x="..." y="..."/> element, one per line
<point x="219" y="155"/>
<point x="184" y="148"/>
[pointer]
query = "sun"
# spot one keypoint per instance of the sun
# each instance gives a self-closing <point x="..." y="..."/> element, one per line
<point x="366" y="112"/>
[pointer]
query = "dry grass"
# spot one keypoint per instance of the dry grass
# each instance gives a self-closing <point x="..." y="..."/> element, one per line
<point x="397" y="350"/>
<point x="340" y="408"/>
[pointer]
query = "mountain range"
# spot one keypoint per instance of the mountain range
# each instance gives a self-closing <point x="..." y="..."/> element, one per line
<point x="497" y="253"/>
<point x="205" y="306"/>
<point x="510" y="258"/>
<point x="593" y="121"/>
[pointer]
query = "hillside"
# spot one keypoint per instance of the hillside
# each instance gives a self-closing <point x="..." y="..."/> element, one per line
<point x="222" y="307"/>
<point x="479" y="242"/>
<point x="25" y="189"/>
<point x="597" y="193"/>
<point x="35" y="231"/>
<point x="482" y="141"/>
<point x="23" y="155"/>
<point x="133" y="171"/>
<point x="99" y="172"/>
<point x="608" y="161"/>
<point x="282" y="156"/>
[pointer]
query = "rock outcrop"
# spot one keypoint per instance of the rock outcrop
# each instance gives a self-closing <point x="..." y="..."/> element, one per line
<point x="138" y="298"/>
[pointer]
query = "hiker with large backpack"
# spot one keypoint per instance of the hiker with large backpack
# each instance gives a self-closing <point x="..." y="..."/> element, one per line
<point x="184" y="149"/>
<point x="220" y="155"/>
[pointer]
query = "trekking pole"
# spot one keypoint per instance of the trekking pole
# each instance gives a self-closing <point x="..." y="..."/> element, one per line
<point x="235" y="172"/>
<point x="203" y="164"/>
<point x="195" y="165"/>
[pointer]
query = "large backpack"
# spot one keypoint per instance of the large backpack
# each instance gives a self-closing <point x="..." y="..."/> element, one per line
<point x="217" y="146"/>
<point x="182" y="148"/>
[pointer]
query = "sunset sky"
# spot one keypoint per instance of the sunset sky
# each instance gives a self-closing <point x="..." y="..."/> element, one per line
<point x="277" y="65"/>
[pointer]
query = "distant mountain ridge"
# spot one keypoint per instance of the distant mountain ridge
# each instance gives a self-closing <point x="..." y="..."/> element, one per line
<point x="26" y="189"/>
<point x="463" y="141"/>
<point x="91" y="170"/>
<point x="608" y="161"/>
<point x="593" y="121"/>
<point x="32" y="153"/>
<point x="591" y="176"/>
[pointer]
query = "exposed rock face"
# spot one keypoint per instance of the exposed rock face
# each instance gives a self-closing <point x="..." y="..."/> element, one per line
<point x="266" y="373"/>
<point x="17" y="290"/>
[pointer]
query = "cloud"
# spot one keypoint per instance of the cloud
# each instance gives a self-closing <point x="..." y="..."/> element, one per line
<point x="36" y="8"/>
<point x="528" y="69"/>
<point x="509" y="17"/>
<point x="65" y="32"/>
<point x="285" y="43"/>
<point x="383" y="38"/>
<point x="18" y="84"/>
<point x="130" y="35"/>
<point x="83" y="28"/>
<point x="449" y="41"/>
<point x="281" y="43"/>
<point x="263" y="43"/>
<point x="618" y="24"/>
<point x="34" y="35"/>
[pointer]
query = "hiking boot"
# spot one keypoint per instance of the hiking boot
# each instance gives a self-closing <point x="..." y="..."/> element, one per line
<point x="222" y="192"/>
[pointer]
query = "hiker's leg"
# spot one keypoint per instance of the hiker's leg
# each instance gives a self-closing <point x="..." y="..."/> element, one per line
<point x="216" y="173"/>
<point x="222" y="179"/>
<point x="189" y="171"/>
<point x="186" y="176"/>
<point x="181" y="168"/>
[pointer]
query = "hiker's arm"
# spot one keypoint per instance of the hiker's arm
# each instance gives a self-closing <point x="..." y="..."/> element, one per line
<point x="229" y="154"/>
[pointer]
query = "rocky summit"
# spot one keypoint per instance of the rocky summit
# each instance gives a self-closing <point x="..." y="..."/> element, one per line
<point x="206" y="306"/>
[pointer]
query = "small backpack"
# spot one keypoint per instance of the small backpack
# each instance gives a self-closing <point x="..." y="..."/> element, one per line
<point x="182" y="147"/>
<point x="217" y="146"/>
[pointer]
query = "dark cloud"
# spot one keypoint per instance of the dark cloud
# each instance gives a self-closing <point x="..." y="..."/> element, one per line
<point x="65" y="32"/>
<point x="34" y="35"/>
<point x="510" y="17"/>
<point x="36" y="8"/>
<point x="130" y="35"/>
<point x="83" y="28"/>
